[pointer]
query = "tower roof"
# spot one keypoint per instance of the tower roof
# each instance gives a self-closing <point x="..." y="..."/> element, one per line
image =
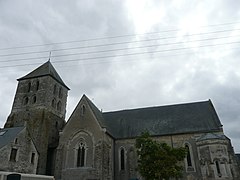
<point x="45" y="69"/>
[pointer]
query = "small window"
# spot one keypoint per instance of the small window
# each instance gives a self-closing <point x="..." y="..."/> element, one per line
<point x="55" y="89"/>
<point x="59" y="106"/>
<point x="60" y="93"/>
<point x="218" y="168"/>
<point x="122" y="159"/>
<point x="13" y="155"/>
<point x="29" y="87"/>
<point x="34" y="99"/>
<point x="37" y="85"/>
<point x="56" y="124"/>
<point x="83" y="110"/>
<point x="16" y="141"/>
<point x="25" y="101"/>
<point x="54" y="103"/>
<point x="32" y="158"/>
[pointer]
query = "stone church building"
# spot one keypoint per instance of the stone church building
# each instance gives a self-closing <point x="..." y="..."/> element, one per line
<point x="95" y="145"/>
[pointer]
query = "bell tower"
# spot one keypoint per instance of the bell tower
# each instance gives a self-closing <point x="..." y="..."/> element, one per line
<point x="40" y="105"/>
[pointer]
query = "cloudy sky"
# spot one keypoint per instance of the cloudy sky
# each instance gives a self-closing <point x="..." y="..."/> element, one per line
<point x="127" y="54"/>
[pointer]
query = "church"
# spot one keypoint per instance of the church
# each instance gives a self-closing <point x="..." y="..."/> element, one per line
<point x="95" y="145"/>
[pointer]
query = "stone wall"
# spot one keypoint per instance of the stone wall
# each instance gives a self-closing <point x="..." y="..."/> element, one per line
<point x="25" y="148"/>
<point x="83" y="129"/>
<point x="40" y="105"/>
<point x="197" y="152"/>
<point x="216" y="159"/>
<point x="48" y="89"/>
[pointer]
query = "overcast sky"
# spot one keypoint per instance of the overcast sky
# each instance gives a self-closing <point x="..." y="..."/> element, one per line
<point x="127" y="54"/>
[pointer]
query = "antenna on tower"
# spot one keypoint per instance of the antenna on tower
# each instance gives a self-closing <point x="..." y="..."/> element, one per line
<point x="49" y="56"/>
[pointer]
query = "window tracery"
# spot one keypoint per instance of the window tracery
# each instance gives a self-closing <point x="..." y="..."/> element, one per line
<point x="81" y="153"/>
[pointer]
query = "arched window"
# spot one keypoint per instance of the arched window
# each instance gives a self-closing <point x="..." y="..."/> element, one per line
<point x="56" y="124"/>
<point x="218" y="168"/>
<point x="59" y="106"/>
<point x="34" y="99"/>
<point x="33" y="158"/>
<point x="25" y="101"/>
<point x="122" y="159"/>
<point x="37" y="85"/>
<point x="83" y="110"/>
<point x="60" y="93"/>
<point x="81" y="153"/>
<point x="55" y="89"/>
<point x="29" y="87"/>
<point x="13" y="155"/>
<point x="189" y="160"/>
<point x="54" y="103"/>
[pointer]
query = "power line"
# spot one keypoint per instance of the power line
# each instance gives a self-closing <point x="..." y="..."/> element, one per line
<point x="113" y="37"/>
<point x="140" y="53"/>
<point x="114" y="60"/>
<point x="116" y="43"/>
<point x="119" y="49"/>
<point x="122" y="55"/>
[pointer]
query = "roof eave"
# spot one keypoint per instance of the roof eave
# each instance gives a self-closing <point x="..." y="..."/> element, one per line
<point x="171" y="134"/>
<point x="24" y="78"/>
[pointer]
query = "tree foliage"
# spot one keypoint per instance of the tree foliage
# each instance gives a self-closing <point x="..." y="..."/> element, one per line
<point x="158" y="160"/>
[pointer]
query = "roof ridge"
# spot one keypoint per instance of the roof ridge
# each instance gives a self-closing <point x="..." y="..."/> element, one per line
<point x="158" y="106"/>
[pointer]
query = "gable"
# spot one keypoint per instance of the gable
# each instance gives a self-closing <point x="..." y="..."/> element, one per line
<point x="163" y="120"/>
<point x="87" y="120"/>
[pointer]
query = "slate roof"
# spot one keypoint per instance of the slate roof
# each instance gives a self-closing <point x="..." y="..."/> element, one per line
<point x="46" y="69"/>
<point x="209" y="136"/>
<point x="163" y="120"/>
<point x="8" y="135"/>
